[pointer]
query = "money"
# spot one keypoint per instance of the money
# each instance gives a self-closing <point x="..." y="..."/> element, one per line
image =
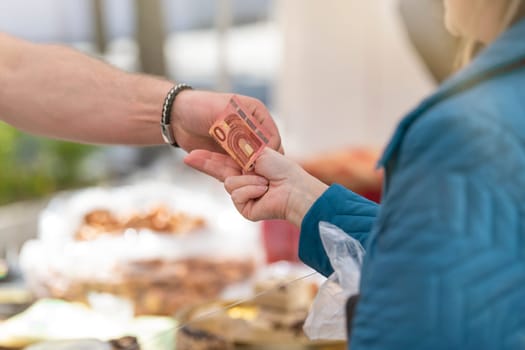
<point x="240" y="134"/>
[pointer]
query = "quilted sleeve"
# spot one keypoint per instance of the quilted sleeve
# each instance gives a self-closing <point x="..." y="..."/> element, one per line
<point x="352" y="213"/>
<point x="445" y="266"/>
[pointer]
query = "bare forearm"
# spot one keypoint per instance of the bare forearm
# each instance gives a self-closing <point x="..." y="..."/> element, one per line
<point x="58" y="92"/>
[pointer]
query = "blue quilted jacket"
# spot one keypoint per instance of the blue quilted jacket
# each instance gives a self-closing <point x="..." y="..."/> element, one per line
<point x="445" y="263"/>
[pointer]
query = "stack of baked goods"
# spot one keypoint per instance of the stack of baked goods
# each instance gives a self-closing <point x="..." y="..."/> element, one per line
<point x="272" y="320"/>
<point x="156" y="246"/>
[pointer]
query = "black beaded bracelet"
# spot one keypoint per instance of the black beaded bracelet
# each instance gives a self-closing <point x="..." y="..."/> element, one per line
<point x="165" y="120"/>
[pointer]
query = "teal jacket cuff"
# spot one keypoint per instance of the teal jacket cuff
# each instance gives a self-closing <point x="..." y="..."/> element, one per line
<point x="349" y="211"/>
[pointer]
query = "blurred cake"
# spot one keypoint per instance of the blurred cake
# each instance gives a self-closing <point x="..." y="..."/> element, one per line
<point x="158" y="247"/>
<point x="160" y="220"/>
<point x="159" y="287"/>
<point x="189" y="338"/>
<point x="275" y="316"/>
<point x="281" y="295"/>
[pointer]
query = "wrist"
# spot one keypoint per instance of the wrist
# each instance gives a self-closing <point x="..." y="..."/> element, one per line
<point x="303" y="197"/>
<point x="170" y="125"/>
<point x="180" y="108"/>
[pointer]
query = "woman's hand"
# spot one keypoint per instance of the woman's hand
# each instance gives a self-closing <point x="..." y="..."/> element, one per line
<point x="194" y="112"/>
<point x="278" y="188"/>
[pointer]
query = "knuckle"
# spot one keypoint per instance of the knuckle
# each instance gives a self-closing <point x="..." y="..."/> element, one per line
<point x="228" y="185"/>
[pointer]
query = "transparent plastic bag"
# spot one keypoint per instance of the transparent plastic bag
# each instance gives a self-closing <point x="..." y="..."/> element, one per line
<point x="326" y="319"/>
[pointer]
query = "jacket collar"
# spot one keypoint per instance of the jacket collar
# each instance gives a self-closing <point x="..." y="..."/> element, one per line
<point x="506" y="52"/>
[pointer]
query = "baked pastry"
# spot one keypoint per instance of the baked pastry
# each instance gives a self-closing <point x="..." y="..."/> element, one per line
<point x="189" y="338"/>
<point x="160" y="220"/>
<point x="284" y="297"/>
<point x="125" y="343"/>
<point x="156" y="286"/>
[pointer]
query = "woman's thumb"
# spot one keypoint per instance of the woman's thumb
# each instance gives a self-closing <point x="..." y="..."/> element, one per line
<point x="271" y="162"/>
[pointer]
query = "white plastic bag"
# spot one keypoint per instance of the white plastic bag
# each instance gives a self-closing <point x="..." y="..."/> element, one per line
<point x="327" y="318"/>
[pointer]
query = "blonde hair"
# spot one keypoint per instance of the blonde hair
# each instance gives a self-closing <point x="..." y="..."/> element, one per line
<point x="515" y="10"/>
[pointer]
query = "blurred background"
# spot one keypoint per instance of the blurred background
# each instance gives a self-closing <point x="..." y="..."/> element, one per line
<point x="337" y="75"/>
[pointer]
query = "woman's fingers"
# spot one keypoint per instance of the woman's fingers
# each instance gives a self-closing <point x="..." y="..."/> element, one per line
<point x="234" y="182"/>
<point x="220" y="166"/>
<point x="242" y="195"/>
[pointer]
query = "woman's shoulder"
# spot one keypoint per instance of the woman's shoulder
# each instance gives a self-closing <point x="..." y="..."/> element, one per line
<point x="460" y="109"/>
<point x="470" y="127"/>
<point x="498" y="103"/>
<point x="498" y="100"/>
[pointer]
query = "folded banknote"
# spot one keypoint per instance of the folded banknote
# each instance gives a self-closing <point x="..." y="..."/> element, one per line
<point x="240" y="134"/>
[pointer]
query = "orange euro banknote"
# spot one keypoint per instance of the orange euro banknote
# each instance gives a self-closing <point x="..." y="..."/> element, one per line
<point x="240" y="134"/>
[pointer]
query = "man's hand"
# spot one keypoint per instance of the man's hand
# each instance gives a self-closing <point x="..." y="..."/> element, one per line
<point x="194" y="112"/>
<point x="68" y="95"/>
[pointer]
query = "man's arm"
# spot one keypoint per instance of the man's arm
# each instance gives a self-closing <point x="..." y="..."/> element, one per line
<point x="58" y="92"/>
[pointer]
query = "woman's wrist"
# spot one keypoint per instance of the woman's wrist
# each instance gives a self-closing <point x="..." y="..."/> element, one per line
<point x="303" y="197"/>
